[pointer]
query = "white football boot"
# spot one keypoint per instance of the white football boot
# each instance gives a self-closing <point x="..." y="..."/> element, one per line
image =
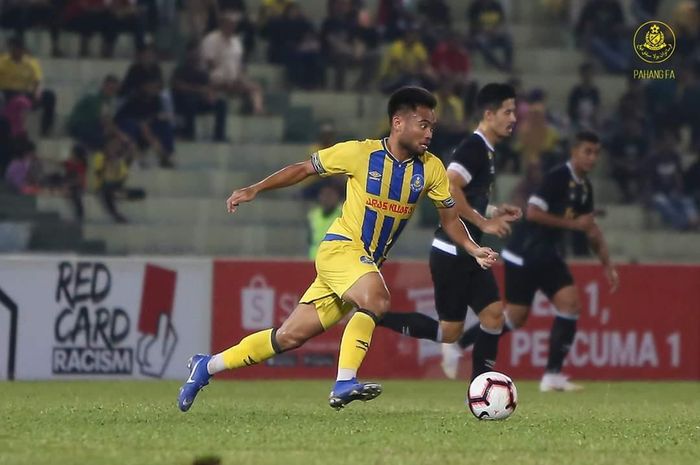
<point x="557" y="382"/>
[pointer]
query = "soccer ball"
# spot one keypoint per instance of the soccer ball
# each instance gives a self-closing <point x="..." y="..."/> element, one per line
<point x="492" y="396"/>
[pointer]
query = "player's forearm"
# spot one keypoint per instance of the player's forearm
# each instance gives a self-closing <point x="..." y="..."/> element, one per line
<point x="287" y="176"/>
<point x="599" y="245"/>
<point x="465" y="210"/>
<point x="458" y="233"/>
<point x="537" y="215"/>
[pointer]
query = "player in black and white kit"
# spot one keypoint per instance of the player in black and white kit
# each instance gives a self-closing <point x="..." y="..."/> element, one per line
<point x="458" y="280"/>
<point x="564" y="201"/>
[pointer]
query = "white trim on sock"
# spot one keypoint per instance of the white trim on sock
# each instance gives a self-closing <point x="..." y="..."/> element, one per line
<point x="345" y="374"/>
<point x="565" y="316"/>
<point x="216" y="364"/>
<point x="438" y="338"/>
<point x="491" y="331"/>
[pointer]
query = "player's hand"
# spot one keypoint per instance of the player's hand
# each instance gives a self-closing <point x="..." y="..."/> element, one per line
<point x="240" y="196"/>
<point x="497" y="226"/>
<point x="509" y="212"/>
<point x="583" y="222"/>
<point x="612" y="277"/>
<point x="485" y="257"/>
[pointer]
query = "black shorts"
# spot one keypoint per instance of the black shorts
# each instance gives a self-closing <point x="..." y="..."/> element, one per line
<point x="459" y="283"/>
<point x="522" y="281"/>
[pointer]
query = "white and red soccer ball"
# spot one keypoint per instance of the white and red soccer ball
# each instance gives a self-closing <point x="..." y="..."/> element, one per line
<point x="492" y="396"/>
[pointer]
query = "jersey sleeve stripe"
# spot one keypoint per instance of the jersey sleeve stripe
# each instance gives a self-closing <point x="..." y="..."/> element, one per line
<point x="316" y="162"/>
<point x="538" y="202"/>
<point x="461" y="170"/>
<point x="418" y="170"/>
<point x="375" y="171"/>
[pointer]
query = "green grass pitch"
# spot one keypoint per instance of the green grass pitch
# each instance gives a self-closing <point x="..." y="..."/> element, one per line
<point x="289" y="422"/>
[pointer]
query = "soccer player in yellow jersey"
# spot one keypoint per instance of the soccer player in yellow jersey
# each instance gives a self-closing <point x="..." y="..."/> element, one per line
<point x="386" y="178"/>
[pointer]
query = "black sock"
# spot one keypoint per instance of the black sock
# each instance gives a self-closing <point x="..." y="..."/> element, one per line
<point x="560" y="339"/>
<point x="485" y="352"/>
<point x="414" y="324"/>
<point x="469" y="336"/>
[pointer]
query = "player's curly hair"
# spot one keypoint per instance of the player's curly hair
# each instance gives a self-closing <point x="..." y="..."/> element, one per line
<point x="410" y="97"/>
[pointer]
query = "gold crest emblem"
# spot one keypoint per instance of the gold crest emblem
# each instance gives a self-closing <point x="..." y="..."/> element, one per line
<point x="654" y="42"/>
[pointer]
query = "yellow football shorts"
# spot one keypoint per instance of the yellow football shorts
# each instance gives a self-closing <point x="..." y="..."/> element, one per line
<point x="339" y="264"/>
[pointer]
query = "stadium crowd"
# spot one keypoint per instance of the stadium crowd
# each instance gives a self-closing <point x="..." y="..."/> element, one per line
<point x="403" y="42"/>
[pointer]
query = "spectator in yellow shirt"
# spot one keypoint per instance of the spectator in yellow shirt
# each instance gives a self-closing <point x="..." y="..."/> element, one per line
<point x="452" y="121"/>
<point x="21" y="75"/>
<point x="406" y="63"/>
<point x="110" y="172"/>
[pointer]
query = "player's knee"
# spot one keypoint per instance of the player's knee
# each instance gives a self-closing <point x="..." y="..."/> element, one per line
<point x="288" y="340"/>
<point x="492" y="320"/>
<point x="378" y="303"/>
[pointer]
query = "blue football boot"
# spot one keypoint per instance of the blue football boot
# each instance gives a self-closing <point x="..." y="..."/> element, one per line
<point x="346" y="391"/>
<point x="199" y="377"/>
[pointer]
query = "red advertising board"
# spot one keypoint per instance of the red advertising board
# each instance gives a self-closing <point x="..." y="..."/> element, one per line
<point x="649" y="329"/>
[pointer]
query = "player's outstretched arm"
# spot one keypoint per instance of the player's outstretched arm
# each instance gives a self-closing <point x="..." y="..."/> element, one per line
<point x="498" y="225"/>
<point x="287" y="176"/>
<point x="600" y="247"/>
<point x="453" y="226"/>
<point x="580" y="223"/>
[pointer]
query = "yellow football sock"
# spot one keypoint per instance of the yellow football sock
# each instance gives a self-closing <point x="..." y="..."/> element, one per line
<point x="355" y="344"/>
<point x="252" y="349"/>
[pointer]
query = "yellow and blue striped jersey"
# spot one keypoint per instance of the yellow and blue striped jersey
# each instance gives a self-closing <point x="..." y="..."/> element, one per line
<point x="382" y="192"/>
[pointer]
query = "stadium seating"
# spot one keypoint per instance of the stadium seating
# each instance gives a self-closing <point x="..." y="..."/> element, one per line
<point x="184" y="209"/>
